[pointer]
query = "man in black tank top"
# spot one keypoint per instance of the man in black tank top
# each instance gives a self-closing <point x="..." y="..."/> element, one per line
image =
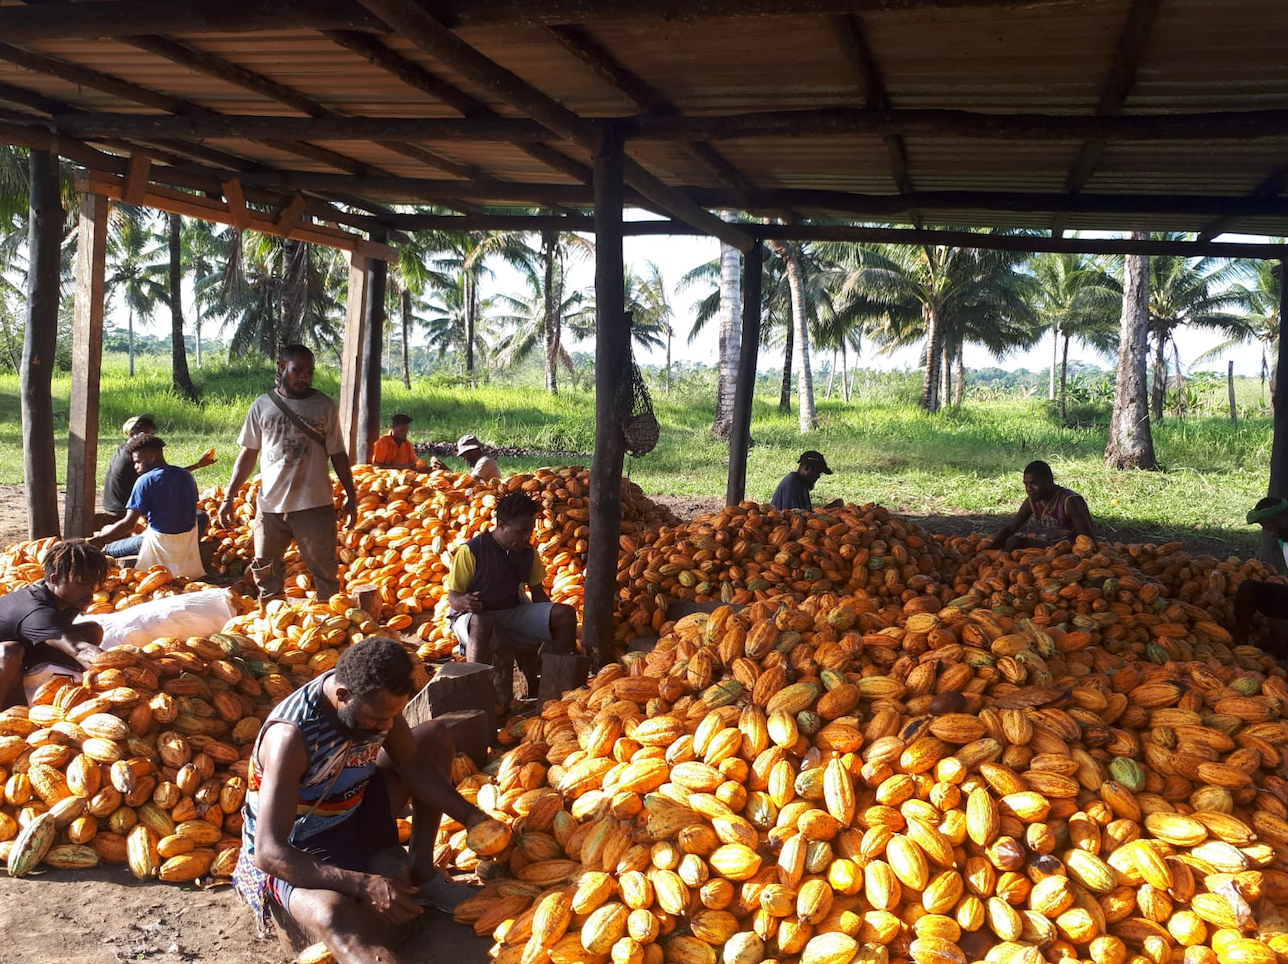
<point x="491" y="615"/>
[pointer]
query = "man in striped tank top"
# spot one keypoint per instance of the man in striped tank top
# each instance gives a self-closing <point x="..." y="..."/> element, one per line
<point x="333" y="766"/>
<point x="1052" y="511"/>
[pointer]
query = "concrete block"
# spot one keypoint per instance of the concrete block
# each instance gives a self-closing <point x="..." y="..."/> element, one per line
<point x="456" y="686"/>
<point x="560" y="673"/>
<point x="471" y="731"/>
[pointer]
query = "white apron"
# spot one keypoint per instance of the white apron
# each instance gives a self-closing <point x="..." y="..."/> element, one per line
<point x="177" y="552"/>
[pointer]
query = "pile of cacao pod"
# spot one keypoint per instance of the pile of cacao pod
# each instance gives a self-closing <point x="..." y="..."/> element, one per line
<point x="849" y="780"/>
<point x="410" y="523"/>
<point x="22" y="564"/>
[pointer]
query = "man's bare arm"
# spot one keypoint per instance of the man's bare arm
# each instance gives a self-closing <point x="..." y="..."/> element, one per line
<point x="284" y="759"/>
<point x="1012" y="527"/>
<point x="427" y="783"/>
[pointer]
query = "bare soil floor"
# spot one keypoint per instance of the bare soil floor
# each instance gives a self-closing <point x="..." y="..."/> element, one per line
<point x="105" y="916"/>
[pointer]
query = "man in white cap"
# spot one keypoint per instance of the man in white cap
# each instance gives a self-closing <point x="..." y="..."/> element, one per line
<point x="482" y="467"/>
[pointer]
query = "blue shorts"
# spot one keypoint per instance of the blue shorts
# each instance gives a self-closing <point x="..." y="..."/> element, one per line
<point x="350" y="844"/>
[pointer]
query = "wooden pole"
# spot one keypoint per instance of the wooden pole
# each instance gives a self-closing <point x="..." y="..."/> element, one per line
<point x="87" y="362"/>
<point x="372" y="357"/>
<point x="745" y="389"/>
<point x="39" y="346"/>
<point x="612" y="352"/>
<point x="355" y="329"/>
<point x="1279" y="440"/>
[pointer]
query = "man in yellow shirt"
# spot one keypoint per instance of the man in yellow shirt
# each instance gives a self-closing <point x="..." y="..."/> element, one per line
<point x="393" y="451"/>
<point x="492" y="616"/>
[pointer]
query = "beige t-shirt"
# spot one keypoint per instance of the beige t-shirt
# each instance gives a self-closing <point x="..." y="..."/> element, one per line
<point x="485" y="469"/>
<point x="296" y="473"/>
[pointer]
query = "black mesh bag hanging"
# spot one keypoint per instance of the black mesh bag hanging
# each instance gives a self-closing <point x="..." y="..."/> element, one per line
<point x="633" y="411"/>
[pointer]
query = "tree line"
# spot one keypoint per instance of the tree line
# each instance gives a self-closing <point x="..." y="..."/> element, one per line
<point x="841" y="299"/>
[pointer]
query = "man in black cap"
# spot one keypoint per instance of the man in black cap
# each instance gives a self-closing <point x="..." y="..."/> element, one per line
<point x="1260" y="596"/>
<point x="793" y="491"/>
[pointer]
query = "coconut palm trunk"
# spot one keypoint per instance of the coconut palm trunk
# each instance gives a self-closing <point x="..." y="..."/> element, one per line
<point x="800" y="323"/>
<point x="1131" y="443"/>
<point x="1158" y="391"/>
<point x="730" y="339"/>
<point x="934" y="351"/>
<point x="406" y="336"/>
<point x="180" y="376"/>
<point x="1064" y="376"/>
<point x="845" y="374"/>
<point x="785" y="392"/>
<point x="959" y="383"/>
<point x="553" y="330"/>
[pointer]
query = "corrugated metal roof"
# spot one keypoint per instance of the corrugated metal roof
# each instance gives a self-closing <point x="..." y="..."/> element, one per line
<point x="1052" y="58"/>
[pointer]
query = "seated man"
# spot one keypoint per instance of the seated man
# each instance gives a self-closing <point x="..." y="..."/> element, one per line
<point x="393" y="451"/>
<point x="333" y="767"/>
<point x="1261" y="596"/>
<point x="37" y="623"/>
<point x="793" y="491"/>
<point x="490" y="614"/>
<point x="167" y="496"/>
<point x="118" y="481"/>
<point x="1056" y="512"/>
<point x="482" y="467"/>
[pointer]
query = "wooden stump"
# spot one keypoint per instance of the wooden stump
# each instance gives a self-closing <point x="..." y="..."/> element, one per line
<point x="560" y="673"/>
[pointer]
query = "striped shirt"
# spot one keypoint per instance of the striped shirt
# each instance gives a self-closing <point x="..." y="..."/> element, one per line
<point x="338" y="768"/>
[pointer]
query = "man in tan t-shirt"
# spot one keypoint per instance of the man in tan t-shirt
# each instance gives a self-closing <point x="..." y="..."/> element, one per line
<point x="294" y="431"/>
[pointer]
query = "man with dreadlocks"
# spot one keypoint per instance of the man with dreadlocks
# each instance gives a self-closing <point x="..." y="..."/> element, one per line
<point x="490" y="614"/>
<point x="37" y="622"/>
<point x="333" y="767"/>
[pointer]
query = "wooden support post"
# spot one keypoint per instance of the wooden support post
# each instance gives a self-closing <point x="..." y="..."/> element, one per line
<point x="1279" y="439"/>
<point x="355" y="329"/>
<point x="87" y="362"/>
<point x="238" y="213"/>
<point x="39" y="345"/>
<point x="612" y="350"/>
<point x="136" y="179"/>
<point x="745" y="388"/>
<point x="373" y="339"/>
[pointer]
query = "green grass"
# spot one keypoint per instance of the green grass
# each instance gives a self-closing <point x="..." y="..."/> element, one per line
<point x="963" y="461"/>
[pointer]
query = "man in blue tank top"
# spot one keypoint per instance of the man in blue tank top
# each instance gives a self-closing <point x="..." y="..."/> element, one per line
<point x="490" y="613"/>
<point x="333" y="767"/>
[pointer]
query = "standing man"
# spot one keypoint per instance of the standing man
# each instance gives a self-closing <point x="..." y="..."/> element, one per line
<point x="38" y="625"/>
<point x="166" y="496"/>
<point x="794" y="491"/>
<point x="118" y="481"/>
<point x="1260" y="595"/>
<point x="297" y="430"/>
<point x="490" y="614"/>
<point x="1056" y="512"/>
<point x="393" y="451"/>
<point x="333" y="767"/>
<point x="482" y="467"/>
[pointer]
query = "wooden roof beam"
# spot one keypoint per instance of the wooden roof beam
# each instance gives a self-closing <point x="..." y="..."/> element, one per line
<point x="853" y="41"/>
<point x="824" y="122"/>
<point x="124" y="18"/>
<point x="417" y="77"/>
<point x="1272" y="186"/>
<point x="646" y="97"/>
<point x="411" y="21"/>
<point x="1122" y="76"/>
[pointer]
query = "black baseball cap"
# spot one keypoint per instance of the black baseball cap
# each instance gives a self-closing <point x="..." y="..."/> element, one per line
<point x="400" y="419"/>
<point x="815" y="458"/>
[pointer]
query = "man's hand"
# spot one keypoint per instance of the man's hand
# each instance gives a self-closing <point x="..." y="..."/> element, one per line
<point x="472" y="602"/>
<point x="86" y="653"/>
<point x="436" y="464"/>
<point x="225" y="515"/>
<point x="350" y="511"/>
<point x="391" y="900"/>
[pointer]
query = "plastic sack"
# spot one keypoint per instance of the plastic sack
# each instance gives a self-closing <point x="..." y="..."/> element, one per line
<point x="183" y="614"/>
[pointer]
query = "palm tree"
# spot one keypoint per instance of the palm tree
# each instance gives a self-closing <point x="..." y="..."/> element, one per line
<point x="408" y="282"/>
<point x="136" y="267"/>
<point x="1078" y="297"/>
<point x="530" y="315"/>
<point x="446" y="319"/>
<point x="650" y="310"/>
<point x="1200" y="292"/>
<point x="465" y="254"/>
<point x="207" y="247"/>
<point x="1260" y="292"/>
<point x="180" y="376"/>
<point x="961" y="295"/>
<point x="1131" y="440"/>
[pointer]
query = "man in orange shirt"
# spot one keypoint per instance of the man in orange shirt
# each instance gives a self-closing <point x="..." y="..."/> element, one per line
<point x="393" y="451"/>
